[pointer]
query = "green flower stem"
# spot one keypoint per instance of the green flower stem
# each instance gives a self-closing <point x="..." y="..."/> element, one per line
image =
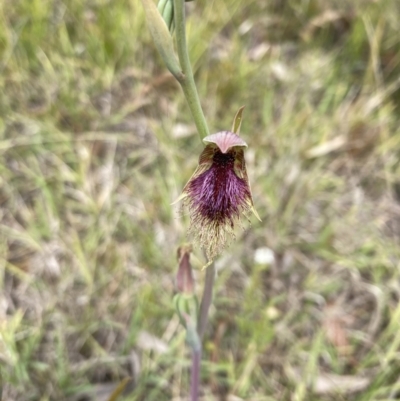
<point x="194" y="342"/>
<point x="187" y="80"/>
<point x="188" y="85"/>
<point x="206" y="300"/>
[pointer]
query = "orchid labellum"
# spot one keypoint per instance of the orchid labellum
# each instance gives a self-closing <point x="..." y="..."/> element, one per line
<point x="218" y="193"/>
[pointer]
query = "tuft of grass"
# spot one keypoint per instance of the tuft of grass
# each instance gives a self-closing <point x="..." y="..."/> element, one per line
<point x="96" y="142"/>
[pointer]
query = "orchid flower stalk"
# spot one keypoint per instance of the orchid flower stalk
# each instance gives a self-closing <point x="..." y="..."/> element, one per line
<point x="217" y="195"/>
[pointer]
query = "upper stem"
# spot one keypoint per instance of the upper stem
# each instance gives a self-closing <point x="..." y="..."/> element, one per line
<point x="187" y="80"/>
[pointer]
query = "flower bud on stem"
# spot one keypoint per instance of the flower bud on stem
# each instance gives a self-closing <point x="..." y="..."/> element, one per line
<point x="184" y="277"/>
<point x="162" y="38"/>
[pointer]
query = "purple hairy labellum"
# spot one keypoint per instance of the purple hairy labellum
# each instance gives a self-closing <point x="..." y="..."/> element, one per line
<point x="218" y="193"/>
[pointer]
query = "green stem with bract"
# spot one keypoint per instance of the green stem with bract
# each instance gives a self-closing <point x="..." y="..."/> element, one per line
<point x="190" y="91"/>
<point x="182" y="71"/>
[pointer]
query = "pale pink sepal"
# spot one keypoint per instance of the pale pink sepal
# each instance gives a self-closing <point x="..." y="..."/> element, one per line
<point x="225" y="140"/>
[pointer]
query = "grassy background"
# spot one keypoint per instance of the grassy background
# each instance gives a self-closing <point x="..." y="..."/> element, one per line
<point x="96" y="141"/>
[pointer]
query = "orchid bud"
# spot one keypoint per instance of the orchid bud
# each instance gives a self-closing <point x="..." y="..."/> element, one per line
<point x="166" y="9"/>
<point x="161" y="36"/>
<point x="184" y="277"/>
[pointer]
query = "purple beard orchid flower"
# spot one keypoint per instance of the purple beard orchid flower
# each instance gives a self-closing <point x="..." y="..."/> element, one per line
<point x="218" y="193"/>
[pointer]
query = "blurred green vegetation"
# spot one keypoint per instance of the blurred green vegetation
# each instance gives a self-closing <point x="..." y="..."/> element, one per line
<point x="96" y="142"/>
